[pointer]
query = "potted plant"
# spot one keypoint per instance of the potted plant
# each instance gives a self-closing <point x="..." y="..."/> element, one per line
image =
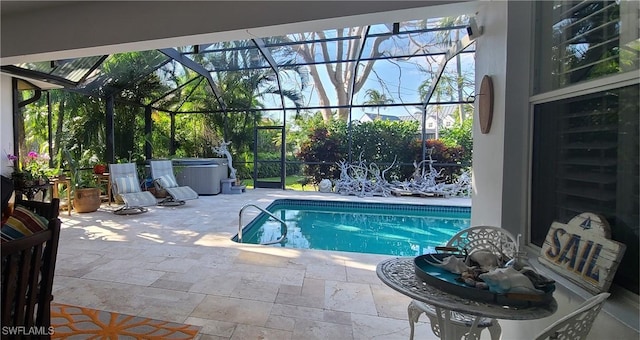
<point x="32" y="170"/>
<point x="86" y="194"/>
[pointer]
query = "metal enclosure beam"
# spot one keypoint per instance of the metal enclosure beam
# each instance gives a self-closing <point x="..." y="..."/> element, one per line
<point x="109" y="129"/>
<point x="16" y="116"/>
<point x="49" y="129"/>
<point x="454" y="50"/>
<point x="266" y="54"/>
<point x="274" y="66"/>
<point x="147" y="132"/>
<point x="174" y="90"/>
<point x="172" y="146"/>
<point x="93" y="68"/>
<point x="175" y="55"/>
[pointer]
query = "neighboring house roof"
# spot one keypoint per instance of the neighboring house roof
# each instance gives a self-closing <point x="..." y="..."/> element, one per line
<point x="445" y="112"/>
<point x="367" y="117"/>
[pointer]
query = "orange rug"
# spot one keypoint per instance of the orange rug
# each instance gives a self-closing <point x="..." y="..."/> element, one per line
<point x="86" y="323"/>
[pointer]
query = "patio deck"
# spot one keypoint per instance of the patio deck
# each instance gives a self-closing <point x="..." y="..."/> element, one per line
<point x="179" y="264"/>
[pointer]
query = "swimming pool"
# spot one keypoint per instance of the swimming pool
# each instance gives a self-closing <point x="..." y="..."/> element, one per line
<point x="376" y="228"/>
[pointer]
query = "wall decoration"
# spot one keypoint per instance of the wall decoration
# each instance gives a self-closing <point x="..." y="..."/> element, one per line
<point x="485" y="104"/>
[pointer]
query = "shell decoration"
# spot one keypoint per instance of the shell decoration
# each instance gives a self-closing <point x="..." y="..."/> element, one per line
<point x="508" y="280"/>
<point x="451" y="263"/>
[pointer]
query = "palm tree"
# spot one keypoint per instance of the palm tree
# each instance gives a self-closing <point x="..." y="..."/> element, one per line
<point x="457" y="81"/>
<point x="377" y="98"/>
<point x="244" y="84"/>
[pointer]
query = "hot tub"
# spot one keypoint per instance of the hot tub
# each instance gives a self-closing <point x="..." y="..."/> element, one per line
<point x="203" y="175"/>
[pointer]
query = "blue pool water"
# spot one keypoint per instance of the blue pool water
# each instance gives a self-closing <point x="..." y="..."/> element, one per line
<point x="377" y="228"/>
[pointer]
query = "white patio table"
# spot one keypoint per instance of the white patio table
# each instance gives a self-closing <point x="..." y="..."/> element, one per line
<point x="399" y="274"/>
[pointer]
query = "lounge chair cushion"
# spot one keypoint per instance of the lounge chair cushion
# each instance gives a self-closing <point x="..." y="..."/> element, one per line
<point x="167" y="182"/>
<point x="127" y="185"/>
<point x="182" y="193"/>
<point x="23" y="222"/>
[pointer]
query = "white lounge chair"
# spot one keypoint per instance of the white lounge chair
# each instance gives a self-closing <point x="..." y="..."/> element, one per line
<point x="126" y="185"/>
<point x="164" y="179"/>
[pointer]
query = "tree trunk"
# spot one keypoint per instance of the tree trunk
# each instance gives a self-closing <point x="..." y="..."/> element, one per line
<point x="340" y="75"/>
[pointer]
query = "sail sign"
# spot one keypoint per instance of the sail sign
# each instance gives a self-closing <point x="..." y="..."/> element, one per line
<point x="583" y="252"/>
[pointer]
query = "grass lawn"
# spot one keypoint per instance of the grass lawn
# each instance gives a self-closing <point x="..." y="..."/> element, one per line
<point x="291" y="182"/>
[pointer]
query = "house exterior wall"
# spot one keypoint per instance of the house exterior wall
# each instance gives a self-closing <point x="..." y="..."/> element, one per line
<point x="488" y="149"/>
<point x="501" y="157"/>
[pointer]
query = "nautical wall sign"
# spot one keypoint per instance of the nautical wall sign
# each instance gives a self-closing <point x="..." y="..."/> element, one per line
<point x="583" y="252"/>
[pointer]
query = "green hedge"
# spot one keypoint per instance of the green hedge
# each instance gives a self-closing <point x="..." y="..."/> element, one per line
<point x="381" y="142"/>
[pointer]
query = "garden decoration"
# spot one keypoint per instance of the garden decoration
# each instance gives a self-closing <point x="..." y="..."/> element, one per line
<point x="363" y="180"/>
<point x="425" y="182"/>
<point x="231" y="185"/>
<point x="325" y="185"/>
<point x="223" y="151"/>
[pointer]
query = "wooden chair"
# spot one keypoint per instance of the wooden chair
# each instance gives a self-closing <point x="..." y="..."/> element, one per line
<point x="28" y="266"/>
<point x="500" y="242"/>
<point x="577" y="324"/>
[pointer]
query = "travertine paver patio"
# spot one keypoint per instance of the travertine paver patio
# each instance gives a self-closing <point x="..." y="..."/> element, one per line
<point x="179" y="264"/>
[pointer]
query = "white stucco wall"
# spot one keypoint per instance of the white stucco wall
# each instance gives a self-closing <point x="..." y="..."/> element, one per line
<point x="6" y="128"/>
<point x="488" y="149"/>
<point x="501" y="157"/>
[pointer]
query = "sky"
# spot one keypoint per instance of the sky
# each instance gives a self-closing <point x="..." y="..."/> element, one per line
<point x="398" y="79"/>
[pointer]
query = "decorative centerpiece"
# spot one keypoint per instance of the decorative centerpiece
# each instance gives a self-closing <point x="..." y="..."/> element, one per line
<point x="485" y="276"/>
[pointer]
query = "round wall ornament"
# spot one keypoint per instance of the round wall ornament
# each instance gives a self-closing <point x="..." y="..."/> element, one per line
<point x="485" y="104"/>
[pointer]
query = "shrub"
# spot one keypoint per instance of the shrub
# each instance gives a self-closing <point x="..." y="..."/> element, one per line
<point x="377" y="142"/>
<point x="322" y="147"/>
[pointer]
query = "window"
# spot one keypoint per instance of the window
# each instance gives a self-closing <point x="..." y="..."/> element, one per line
<point x="585" y="138"/>
<point x="431" y="125"/>
<point x="585" y="40"/>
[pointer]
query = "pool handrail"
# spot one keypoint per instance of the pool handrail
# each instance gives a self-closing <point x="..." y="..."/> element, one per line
<point x="282" y="237"/>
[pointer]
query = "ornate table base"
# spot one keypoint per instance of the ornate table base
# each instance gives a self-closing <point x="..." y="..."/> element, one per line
<point x="399" y="274"/>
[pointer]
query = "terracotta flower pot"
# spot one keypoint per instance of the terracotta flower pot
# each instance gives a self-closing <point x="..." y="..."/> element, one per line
<point x="86" y="200"/>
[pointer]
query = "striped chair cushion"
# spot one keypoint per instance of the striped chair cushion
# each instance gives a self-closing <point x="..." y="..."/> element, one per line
<point x="127" y="185"/>
<point x="167" y="182"/>
<point x="23" y="222"/>
<point x="182" y="193"/>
